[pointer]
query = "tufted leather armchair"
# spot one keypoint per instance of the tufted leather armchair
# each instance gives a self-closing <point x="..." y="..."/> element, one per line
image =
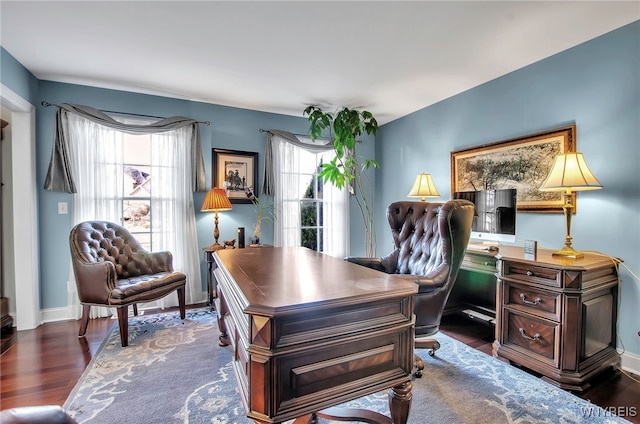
<point x="112" y="269"/>
<point x="430" y="240"/>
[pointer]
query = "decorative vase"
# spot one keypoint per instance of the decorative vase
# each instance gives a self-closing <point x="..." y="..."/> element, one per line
<point x="256" y="232"/>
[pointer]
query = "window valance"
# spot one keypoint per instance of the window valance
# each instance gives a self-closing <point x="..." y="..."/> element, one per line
<point x="273" y="136"/>
<point x="59" y="176"/>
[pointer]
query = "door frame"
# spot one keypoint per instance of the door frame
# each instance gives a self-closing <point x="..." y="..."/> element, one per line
<point x="24" y="206"/>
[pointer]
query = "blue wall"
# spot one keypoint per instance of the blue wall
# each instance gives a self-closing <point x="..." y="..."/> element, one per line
<point x="17" y="78"/>
<point x="595" y="85"/>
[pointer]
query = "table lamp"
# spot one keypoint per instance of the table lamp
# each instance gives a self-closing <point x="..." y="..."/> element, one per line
<point x="423" y="187"/>
<point x="569" y="174"/>
<point x="216" y="201"/>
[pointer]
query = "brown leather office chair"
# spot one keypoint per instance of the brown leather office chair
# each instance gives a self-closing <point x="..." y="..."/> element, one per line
<point x="430" y="240"/>
<point x="112" y="269"/>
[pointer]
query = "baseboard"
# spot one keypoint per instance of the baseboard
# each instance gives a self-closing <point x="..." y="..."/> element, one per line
<point x="66" y="313"/>
<point x="56" y="314"/>
<point x="630" y="362"/>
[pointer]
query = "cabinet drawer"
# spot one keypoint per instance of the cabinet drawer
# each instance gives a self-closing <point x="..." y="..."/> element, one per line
<point x="536" y="301"/>
<point x="481" y="263"/>
<point x="532" y="274"/>
<point x="532" y="335"/>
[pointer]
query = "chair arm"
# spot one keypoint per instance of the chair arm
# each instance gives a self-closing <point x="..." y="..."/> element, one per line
<point x="434" y="280"/>
<point x="162" y="261"/>
<point x="431" y="282"/>
<point x="95" y="280"/>
<point x="374" y="263"/>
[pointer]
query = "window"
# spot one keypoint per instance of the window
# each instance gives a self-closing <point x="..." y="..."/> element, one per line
<point x="137" y="188"/>
<point x="310" y="213"/>
<point x="311" y="205"/>
<point x="142" y="182"/>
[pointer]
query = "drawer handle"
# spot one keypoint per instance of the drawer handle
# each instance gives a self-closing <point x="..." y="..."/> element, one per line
<point x="530" y="273"/>
<point x="536" y="301"/>
<point x="535" y="337"/>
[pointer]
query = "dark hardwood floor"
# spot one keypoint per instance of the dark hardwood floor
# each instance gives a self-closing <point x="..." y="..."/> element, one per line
<point x="42" y="366"/>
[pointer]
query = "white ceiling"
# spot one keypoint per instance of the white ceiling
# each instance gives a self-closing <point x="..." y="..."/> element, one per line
<point x="391" y="58"/>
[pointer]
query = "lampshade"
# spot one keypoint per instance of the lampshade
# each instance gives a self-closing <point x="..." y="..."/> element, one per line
<point x="570" y="173"/>
<point x="423" y="187"/>
<point x="216" y="200"/>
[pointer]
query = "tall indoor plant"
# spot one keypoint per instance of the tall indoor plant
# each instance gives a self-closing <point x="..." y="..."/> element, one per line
<point x="347" y="168"/>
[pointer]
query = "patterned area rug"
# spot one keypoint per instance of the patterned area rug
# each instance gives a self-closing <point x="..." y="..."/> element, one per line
<point x="174" y="372"/>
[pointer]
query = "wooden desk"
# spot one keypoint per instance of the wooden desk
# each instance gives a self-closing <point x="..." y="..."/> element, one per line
<point x="310" y="331"/>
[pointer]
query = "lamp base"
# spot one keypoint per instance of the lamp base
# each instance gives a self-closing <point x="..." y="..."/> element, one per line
<point x="568" y="252"/>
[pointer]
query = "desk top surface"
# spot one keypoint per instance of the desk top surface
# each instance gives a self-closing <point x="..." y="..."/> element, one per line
<point x="282" y="278"/>
<point x="544" y="257"/>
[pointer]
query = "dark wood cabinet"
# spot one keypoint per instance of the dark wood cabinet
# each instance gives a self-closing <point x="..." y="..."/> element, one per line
<point x="557" y="316"/>
<point x="554" y="316"/>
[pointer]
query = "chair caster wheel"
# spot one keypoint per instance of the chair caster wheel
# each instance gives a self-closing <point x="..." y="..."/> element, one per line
<point x="418" y="365"/>
<point x="433" y="349"/>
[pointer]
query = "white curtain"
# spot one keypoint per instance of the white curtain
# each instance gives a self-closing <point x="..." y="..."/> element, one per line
<point x="173" y="216"/>
<point x="96" y="165"/>
<point x="336" y="212"/>
<point x="287" y="231"/>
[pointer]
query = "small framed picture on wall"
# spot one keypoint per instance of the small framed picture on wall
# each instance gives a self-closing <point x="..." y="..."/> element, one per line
<point x="237" y="172"/>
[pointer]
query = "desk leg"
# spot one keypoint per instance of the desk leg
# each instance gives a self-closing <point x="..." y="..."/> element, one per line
<point x="210" y="285"/>
<point x="400" y="402"/>
<point x="223" y="338"/>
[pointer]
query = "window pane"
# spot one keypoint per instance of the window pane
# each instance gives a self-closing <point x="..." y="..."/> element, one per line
<point x="137" y="182"/>
<point x="136" y="215"/>
<point x="145" y="240"/>
<point x="137" y="149"/>
<point x="310" y="238"/>
<point x="308" y="213"/>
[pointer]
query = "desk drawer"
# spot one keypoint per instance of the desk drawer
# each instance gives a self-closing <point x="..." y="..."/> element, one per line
<point x="478" y="262"/>
<point x="536" y="301"/>
<point x="532" y="274"/>
<point x="532" y="335"/>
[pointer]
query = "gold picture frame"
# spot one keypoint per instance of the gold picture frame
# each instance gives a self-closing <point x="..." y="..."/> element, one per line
<point x="237" y="172"/>
<point x="522" y="163"/>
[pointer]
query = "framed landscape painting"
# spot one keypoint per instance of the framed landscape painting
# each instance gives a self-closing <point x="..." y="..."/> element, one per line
<point x="522" y="163"/>
<point x="237" y="172"/>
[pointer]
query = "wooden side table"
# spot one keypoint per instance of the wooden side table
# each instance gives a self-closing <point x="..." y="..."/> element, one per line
<point x="212" y="291"/>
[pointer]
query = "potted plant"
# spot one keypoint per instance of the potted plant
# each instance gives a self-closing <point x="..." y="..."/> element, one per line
<point x="347" y="168"/>
<point x="264" y="212"/>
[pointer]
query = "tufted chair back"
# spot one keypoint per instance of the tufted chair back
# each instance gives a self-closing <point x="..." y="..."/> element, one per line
<point x="418" y="231"/>
<point x="100" y="241"/>
<point x="113" y="269"/>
